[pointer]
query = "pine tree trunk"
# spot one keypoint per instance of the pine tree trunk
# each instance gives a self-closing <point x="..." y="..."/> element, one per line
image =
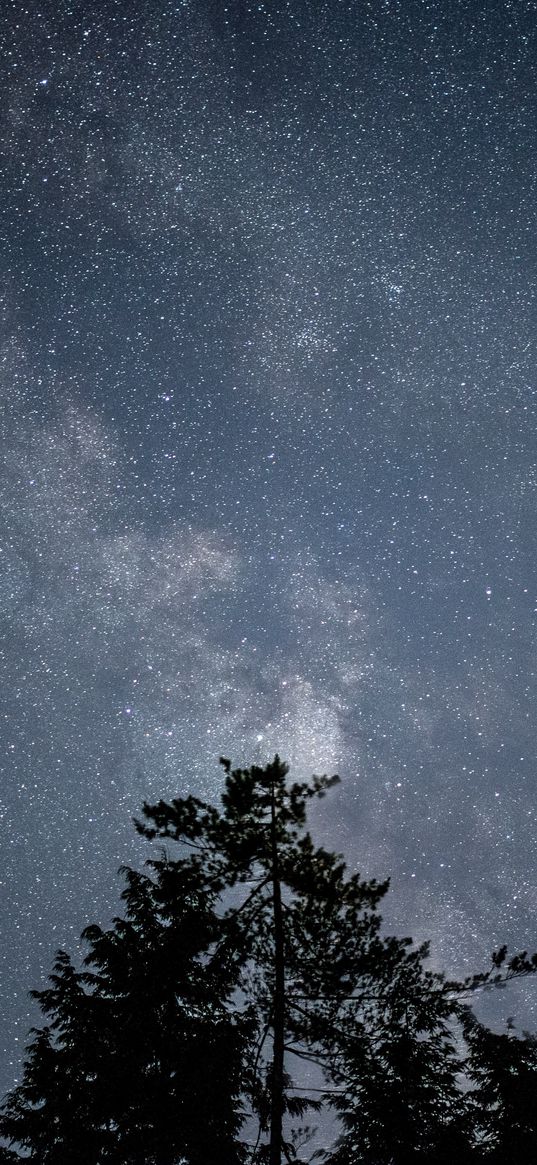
<point x="276" y="1100"/>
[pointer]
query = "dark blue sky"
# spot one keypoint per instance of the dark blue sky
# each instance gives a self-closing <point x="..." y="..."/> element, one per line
<point x="268" y="405"/>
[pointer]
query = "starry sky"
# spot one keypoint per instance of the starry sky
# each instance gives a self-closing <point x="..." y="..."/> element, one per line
<point x="269" y="458"/>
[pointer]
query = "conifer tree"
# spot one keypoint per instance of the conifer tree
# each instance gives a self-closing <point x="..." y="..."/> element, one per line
<point x="139" y="1063"/>
<point x="52" y="1112"/>
<point x="258" y="841"/>
<point x="400" y="1097"/>
<point x="502" y="1068"/>
<point x="246" y="958"/>
<point x="325" y="986"/>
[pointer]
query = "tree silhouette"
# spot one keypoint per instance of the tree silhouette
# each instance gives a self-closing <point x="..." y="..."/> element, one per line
<point x="401" y="1100"/>
<point x="140" y="1044"/>
<point x="503" y="1103"/>
<point x="259" y="841"/>
<point x="241" y="964"/>
<point x="325" y="987"/>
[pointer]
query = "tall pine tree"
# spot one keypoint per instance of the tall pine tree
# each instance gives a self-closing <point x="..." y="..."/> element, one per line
<point x="325" y="986"/>
<point x="245" y="961"/>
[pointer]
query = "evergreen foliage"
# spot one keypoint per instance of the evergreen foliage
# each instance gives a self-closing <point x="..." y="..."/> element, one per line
<point x="247" y="985"/>
<point x="136" y="1042"/>
<point x="503" y="1071"/>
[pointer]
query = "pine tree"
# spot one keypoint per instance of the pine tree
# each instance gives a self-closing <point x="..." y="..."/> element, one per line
<point x="312" y="958"/>
<point x="502" y="1068"/>
<point x="327" y="989"/>
<point x="245" y="960"/>
<point x="401" y="1102"/>
<point x="259" y="841"/>
<point x="140" y="1060"/>
<point x="52" y="1112"/>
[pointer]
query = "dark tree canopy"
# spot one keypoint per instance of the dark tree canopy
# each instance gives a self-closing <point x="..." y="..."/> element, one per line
<point x="136" y="1042"/>
<point x="248" y="985"/>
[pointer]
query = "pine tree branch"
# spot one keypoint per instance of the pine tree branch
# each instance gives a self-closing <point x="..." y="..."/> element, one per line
<point x="260" y="1048"/>
<point x="234" y="912"/>
<point x="323" y="1091"/>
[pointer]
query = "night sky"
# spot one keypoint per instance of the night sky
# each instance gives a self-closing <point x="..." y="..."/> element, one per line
<point x="269" y="456"/>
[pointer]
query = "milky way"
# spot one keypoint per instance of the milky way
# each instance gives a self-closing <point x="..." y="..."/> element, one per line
<point x="269" y="458"/>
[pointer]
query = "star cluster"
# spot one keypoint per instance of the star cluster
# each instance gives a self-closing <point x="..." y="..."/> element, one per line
<point x="269" y="468"/>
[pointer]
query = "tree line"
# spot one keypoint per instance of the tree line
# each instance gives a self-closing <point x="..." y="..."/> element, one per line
<point x="246" y="992"/>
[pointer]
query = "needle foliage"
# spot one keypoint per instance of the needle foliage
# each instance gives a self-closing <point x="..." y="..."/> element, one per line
<point x="246" y="991"/>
